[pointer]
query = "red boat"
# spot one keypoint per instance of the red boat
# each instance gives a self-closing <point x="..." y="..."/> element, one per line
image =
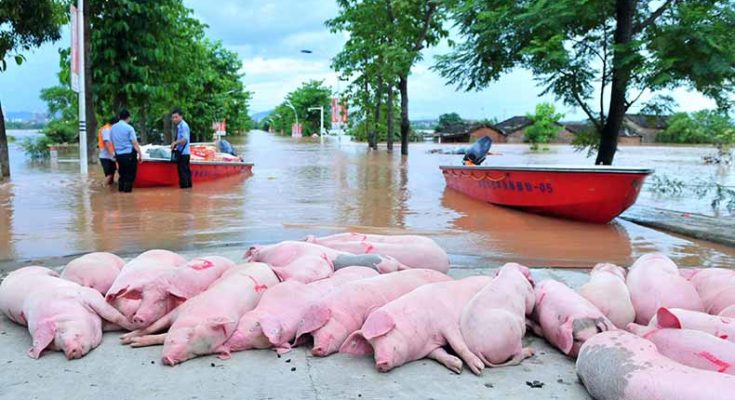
<point x="153" y="173"/>
<point x="592" y="194"/>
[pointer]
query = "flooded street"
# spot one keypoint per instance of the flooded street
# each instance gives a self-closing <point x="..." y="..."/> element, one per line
<point x="300" y="186"/>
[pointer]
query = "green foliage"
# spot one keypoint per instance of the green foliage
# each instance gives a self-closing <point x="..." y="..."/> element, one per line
<point x="60" y="131"/>
<point x="151" y="59"/>
<point x="705" y="126"/>
<point x="25" y="27"/>
<point x="721" y="196"/>
<point x="570" y="47"/>
<point x="309" y="94"/>
<point x="447" y="120"/>
<point x="545" y="125"/>
<point x="385" y="40"/>
<point x="36" y="148"/>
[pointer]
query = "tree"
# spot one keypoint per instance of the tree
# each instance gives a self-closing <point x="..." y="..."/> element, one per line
<point x="386" y="40"/>
<point x="309" y="94"/>
<point x="24" y="28"/>
<point x="447" y="120"/>
<point x="545" y="125"/>
<point x="150" y="60"/>
<point x="574" y="46"/>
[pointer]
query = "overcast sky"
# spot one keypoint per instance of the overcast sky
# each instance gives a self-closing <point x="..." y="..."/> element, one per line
<point x="268" y="36"/>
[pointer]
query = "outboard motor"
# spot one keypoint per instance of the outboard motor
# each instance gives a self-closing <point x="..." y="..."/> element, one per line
<point x="476" y="154"/>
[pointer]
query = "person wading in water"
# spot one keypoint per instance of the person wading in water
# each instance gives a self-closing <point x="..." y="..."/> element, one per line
<point x="180" y="148"/>
<point x="127" y="151"/>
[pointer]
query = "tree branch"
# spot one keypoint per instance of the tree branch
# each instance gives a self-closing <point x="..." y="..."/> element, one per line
<point x="424" y="31"/>
<point x="629" y="104"/>
<point x="638" y="28"/>
<point x="584" y="106"/>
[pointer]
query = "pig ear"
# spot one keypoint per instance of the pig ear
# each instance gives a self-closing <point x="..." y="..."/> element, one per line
<point x="316" y="316"/>
<point x="356" y="345"/>
<point x="128" y="293"/>
<point x="566" y="336"/>
<point x="378" y="324"/>
<point x="43" y="336"/>
<point x="225" y="325"/>
<point x="272" y="329"/>
<point x="667" y="319"/>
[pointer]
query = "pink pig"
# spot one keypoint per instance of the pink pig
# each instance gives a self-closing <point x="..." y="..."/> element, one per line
<point x="716" y="287"/>
<point x="565" y="318"/>
<point x="60" y="314"/>
<point x="654" y="281"/>
<point x="94" y="270"/>
<point x="494" y="322"/>
<point x="689" y="347"/>
<point x="618" y="365"/>
<point x="419" y="324"/>
<point x="205" y="322"/>
<point x="609" y="293"/>
<point x="136" y="273"/>
<point x="13" y="294"/>
<point x="343" y="311"/>
<point x="174" y="287"/>
<point x="721" y="327"/>
<point x="309" y="262"/>
<point x="276" y="318"/>
<point x="410" y="250"/>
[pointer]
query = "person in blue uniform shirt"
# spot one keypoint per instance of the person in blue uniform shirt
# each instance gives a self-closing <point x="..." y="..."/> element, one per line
<point x="127" y="151"/>
<point x="181" y="148"/>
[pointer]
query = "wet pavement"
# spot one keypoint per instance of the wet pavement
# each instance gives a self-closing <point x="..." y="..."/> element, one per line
<point x="300" y="186"/>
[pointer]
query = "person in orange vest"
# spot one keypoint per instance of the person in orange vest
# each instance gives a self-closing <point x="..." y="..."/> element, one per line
<point x="107" y="150"/>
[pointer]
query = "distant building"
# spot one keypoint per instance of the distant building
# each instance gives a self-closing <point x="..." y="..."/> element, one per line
<point x="645" y="126"/>
<point x="625" y="137"/>
<point x="514" y="131"/>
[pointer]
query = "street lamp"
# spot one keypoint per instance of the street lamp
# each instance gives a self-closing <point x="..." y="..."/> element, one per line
<point x="288" y="103"/>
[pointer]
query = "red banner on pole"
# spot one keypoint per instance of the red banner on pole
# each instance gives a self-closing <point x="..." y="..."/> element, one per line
<point x="335" y="111"/>
<point x="74" y="49"/>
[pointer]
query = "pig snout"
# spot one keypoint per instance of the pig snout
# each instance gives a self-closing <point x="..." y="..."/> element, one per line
<point x="168" y="360"/>
<point x="74" y="349"/>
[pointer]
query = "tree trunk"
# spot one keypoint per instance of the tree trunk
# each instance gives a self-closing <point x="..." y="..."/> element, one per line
<point x="367" y="114"/>
<point x="389" y="117"/>
<point x="4" y="157"/>
<point x="376" y="122"/>
<point x="88" y="95"/>
<point x="624" y="12"/>
<point x="405" y="124"/>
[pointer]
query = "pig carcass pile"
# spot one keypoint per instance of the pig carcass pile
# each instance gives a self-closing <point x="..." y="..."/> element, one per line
<point x="637" y="333"/>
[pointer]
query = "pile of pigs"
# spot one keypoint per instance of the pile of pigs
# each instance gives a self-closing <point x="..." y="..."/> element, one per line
<point x="647" y="332"/>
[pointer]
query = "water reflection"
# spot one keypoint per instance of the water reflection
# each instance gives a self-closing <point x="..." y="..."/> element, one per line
<point x="301" y="187"/>
<point x="537" y="240"/>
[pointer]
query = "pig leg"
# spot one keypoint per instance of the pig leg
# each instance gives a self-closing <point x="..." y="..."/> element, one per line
<point x="161" y="324"/>
<point x="148" y="340"/>
<point x="446" y="359"/>
<point x="515" y="360"/>
<point x="455" y="340"/>
<point x="97" y="303"/>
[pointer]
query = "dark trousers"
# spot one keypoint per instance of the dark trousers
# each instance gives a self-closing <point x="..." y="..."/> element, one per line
<point x="108" y="167"/>
<point x="127" y="169"/>
<point x="184" y="171"/>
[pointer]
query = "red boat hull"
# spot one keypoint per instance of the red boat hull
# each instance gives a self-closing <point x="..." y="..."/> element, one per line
<point x="152" y="173"/>
<point x="595" y="194"/>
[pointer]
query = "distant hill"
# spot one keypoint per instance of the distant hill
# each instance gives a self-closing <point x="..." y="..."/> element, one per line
<point x="259" y="116"/>
<point x="25" y="116"/>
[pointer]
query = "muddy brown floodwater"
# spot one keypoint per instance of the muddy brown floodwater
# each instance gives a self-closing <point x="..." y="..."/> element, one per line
<point x="300" y="186"/>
